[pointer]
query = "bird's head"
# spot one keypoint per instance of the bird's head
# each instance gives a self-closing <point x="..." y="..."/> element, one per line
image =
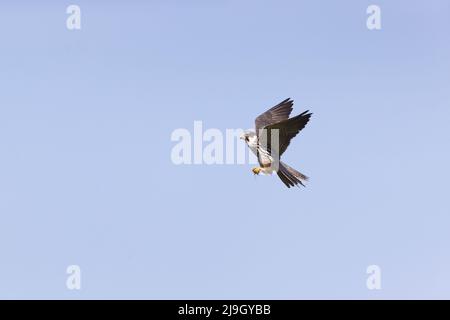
<point x="248" y="136"/>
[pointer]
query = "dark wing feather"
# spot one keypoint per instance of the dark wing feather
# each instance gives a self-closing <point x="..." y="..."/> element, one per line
<point x="276" y="114"/>
<point x="287" y="130"/>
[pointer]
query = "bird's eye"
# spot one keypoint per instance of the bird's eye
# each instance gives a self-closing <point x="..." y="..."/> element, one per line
<point x="246" y="139"/>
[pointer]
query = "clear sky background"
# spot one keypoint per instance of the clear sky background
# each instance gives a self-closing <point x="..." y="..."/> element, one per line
<point x="86" y="176"/>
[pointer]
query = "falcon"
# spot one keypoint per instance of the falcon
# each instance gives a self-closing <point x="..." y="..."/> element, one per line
<point x="273" y="134"/>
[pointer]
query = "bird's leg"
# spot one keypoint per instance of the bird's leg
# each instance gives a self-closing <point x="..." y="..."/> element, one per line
<point x="256" y="170"/>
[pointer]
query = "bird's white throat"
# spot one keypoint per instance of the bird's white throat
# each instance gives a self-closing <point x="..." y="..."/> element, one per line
<point x="253" y="143"/>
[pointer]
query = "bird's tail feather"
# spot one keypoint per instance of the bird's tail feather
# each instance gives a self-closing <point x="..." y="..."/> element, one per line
<point x="290" y="176"/>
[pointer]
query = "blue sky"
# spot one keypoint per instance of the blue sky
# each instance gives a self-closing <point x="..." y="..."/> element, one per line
<point x="86" y="176"/>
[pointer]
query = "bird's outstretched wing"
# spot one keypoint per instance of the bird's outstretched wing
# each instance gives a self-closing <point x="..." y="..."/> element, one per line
<point x="287" y="129"/>
<point x="275" y="114"/>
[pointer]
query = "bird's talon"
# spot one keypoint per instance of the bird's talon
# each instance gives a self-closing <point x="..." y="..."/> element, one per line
<point x="256" y="170"/>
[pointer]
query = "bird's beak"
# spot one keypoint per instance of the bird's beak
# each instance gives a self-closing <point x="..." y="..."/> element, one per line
<point x="242" y="137"/>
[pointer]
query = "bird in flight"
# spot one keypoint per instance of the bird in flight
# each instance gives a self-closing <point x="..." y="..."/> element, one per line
<point x="274" y="132"/>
